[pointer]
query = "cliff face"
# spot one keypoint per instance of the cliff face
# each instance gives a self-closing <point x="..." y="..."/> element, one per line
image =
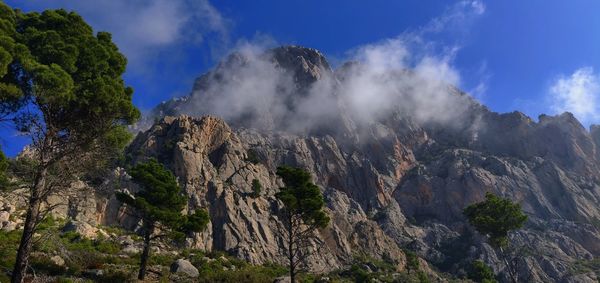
<point x="213" y="165"/>
<point x="390" y="182"/>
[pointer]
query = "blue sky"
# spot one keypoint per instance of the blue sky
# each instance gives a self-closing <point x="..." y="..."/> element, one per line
<point x="538" y="56"/>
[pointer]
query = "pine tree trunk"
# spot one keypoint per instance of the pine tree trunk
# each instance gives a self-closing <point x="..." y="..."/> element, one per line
<point x="511" y="272"/>
<point x="31" y="221"/>
<point x="146" y="251"/>
<point x="291" y="250"/>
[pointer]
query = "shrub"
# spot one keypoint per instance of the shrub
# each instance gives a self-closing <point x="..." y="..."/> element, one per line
<point x="252" y="156"/>
<point x="412" y="261"/>
<point x="256" y="188"/>
<point x="481" y="272"/>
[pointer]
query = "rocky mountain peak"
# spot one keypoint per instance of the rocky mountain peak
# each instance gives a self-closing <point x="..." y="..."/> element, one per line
<point x="392" y="181"/>
<point x="307" y="64"/>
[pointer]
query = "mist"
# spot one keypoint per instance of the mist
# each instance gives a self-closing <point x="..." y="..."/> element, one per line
<point x="411" y="75"/>
<point x="250" y="88"/>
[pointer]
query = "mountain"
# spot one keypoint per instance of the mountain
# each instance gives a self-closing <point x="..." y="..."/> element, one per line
<point x="396" y="172"/>
<point x="396" y="178"/>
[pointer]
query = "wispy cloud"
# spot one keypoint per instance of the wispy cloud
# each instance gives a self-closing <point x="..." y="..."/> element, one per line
<point x="578" y="94"/>
<point x="144" y="28"/>
<point x="411" y="73"/>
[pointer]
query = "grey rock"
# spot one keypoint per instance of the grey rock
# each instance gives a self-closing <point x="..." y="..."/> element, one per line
<point x="394" y="182"/>
<point x="4" y="216"/>
<point x="84" y="229"/>
<point x="283" y="279"/>
<point x="8" y="226"/>
<point x="57" y="260"/>
<point x="185" y="267"/>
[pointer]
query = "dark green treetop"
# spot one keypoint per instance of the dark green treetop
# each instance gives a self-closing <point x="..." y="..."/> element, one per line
<point x="3" y="167"/>
<point x="160" y="200"/>
<point x="495" y="217"/>
<point x="481" y="272"/>
<point x="54" y="62"/>
<point x="301" y="197"/>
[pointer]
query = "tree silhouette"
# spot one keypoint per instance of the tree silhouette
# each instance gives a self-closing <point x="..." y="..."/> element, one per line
<point x="159" y="204"/>
<point x="61" y="85"/>
<point x="302" y="213"/>
<point x="495" y="218"/>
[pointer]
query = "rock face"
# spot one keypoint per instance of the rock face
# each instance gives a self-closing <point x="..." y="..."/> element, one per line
<point x="213" y="165"/>
<point x="390" y="183"/>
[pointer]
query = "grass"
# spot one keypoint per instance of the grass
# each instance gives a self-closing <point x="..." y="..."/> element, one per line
<point x="82" y="254"/>
<point x="585" y="266"/>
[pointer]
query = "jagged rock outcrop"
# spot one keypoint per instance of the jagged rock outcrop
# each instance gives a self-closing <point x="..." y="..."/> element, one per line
<point x="212" y="164"/>
<point x="401" y="178"/>
<point x="392" y="182"/>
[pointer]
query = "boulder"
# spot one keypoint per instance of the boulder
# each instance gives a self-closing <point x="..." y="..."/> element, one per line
<point x="283" y="279"/>
<point x="84" y="229"/>
<point x="57" y="260"/>
<point x="8" y="226"/>
<point x="4" y="216"/>
<point x="185" y="267"/>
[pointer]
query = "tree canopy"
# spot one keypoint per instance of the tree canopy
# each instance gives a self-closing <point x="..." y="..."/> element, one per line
<point x="3" y="168"/>
<point x="160" y="199"/>
<point x="495" y="217"/>
<point x="53" y="62"/>
<point x="301" y="197"/>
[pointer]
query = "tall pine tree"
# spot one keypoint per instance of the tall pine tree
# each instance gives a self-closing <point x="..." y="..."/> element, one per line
<point x="159" y="204"/>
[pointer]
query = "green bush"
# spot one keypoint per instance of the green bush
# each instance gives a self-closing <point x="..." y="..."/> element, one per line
<point x="412" y="261"/>
<point x="252" y="156"/>
<point x="481" y="272"/>
<point x="256" y="188"/>
<point x="9" y="242"/>
<point x="43" y="264"/>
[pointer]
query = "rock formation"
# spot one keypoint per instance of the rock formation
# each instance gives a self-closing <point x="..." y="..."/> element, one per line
<point x="390" y="183"/>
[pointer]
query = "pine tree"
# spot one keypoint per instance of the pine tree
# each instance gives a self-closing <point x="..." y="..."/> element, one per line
<point x="495" y="218"/>
<point x="159" y="204"/>
<point x="302" y="214"/>
<point x="61" y="85"/>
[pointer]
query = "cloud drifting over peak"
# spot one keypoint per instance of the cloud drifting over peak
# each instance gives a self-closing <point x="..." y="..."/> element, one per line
<point x="578" y="93"/>
<point x="411" y="74"/>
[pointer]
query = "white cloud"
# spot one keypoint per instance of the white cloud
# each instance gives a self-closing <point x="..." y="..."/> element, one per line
<point x="456" y="17"/>
<point x="578" y="94"/>
<point x="410" y="74"/>
<point x="144" y="28"/>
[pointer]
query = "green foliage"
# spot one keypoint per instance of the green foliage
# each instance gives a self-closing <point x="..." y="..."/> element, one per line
<point x="256" y="188"/>
<point x="9" y="241"/>
<point x="481" y="272"/>
<point x="159" y="204"/>
<point x="495" y="217"/>
<point x="161" y="199"/>
<point x="3" y="168"/>
<point x="252" y="157"/>
<point x="53" y="60"/>
<point x="585" y="266"/>
<point x="302" y="213"/>
<point x="223" y="271"/>
<point x="301" y="197"/>
<point x="422" y="276"/>
<point x="412" y="261"/>
<point x="359" y="274"/>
